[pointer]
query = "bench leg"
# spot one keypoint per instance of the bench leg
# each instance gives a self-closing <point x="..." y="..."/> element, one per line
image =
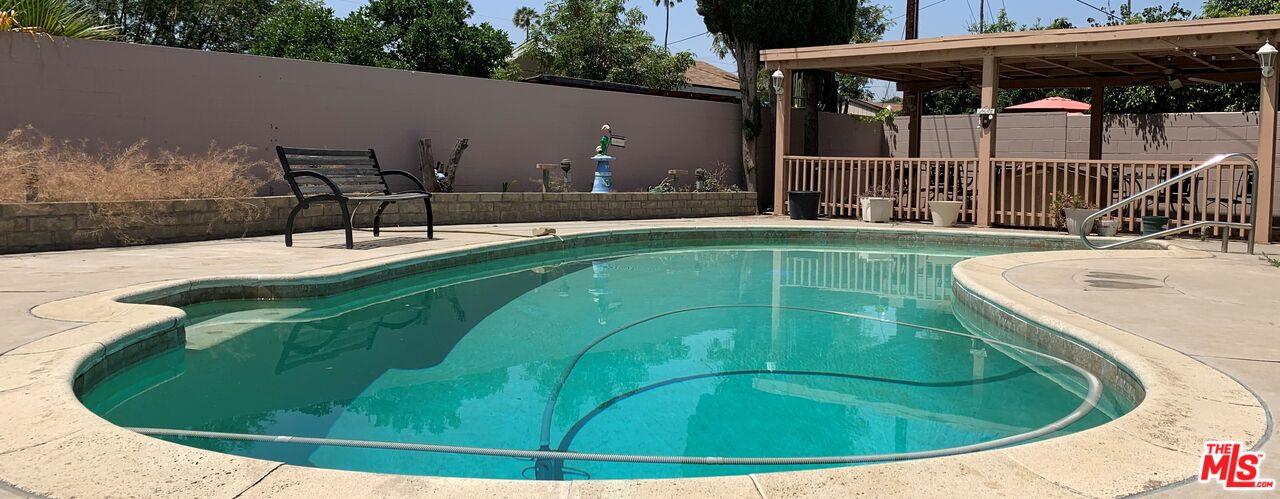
<point x="431" y="231"/>
<point x="377" y="217"/>
<point x="288" y="226"/>
<point x="346" y="222"/>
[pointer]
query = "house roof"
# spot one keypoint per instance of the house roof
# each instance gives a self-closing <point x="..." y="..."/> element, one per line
<point x="704" y="74"/>
<point x="1221" y="50"/>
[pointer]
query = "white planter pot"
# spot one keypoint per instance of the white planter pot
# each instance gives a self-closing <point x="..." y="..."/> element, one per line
<point x="877" y="210"/>
<point x="1075" y="216"/>
<point x="944" y="213"/>
<point x="1108" y="228"/>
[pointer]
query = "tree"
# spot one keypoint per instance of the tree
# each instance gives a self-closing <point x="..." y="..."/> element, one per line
<point x="602" y="40"/>
<point x="745" y="27"/>
<point x="221" y="25"/>
<point x="54" y="18"/>
<point x="525" y="18"/>
<point x="434" y="36"/>
<point x="298" y="29"/>
<point x="666" y="34"/>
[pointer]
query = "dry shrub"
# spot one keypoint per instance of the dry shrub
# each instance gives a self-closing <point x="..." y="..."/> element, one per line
<point x="37" y="168"/>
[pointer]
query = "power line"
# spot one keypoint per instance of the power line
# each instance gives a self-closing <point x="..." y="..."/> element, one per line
<point x="1099" y="9"/>
<point x="687" y="38"/>
<point x="921" y="8"/>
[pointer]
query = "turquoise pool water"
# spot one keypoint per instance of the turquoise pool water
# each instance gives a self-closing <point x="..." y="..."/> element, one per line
<point x="722" y="350"/>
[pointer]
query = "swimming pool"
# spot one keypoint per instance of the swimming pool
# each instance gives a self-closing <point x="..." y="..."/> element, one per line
<point x="730" y="349"/>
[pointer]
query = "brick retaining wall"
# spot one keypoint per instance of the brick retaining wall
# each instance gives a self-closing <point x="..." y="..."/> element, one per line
<point x="62" y="226"/>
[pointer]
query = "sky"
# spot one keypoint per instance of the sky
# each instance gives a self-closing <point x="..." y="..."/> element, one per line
<point x="937" y="18"/>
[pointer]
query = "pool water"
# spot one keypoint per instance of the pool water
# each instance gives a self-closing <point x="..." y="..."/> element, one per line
<point x="724" y="350"/>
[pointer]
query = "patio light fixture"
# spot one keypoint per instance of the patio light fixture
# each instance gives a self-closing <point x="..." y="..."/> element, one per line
<point x="778" y="76"/>
<point x="1267" y="59"/>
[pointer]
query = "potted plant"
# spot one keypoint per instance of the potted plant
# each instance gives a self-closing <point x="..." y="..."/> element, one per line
<point x="944" y="212"/>
<point x="1152" y="224"/>
<point x="1070" y="210"/>
<point x="877" y="206"/>
<point x="1108" y="226"/>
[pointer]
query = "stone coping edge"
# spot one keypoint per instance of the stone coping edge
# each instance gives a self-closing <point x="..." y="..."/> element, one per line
<point x="52" y="445"/>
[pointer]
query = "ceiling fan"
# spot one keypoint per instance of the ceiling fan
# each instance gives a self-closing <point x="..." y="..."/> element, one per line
<point x="1174" y="78"/>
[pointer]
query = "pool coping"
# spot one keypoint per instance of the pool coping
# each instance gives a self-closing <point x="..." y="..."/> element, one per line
<point x="52" y="445"/>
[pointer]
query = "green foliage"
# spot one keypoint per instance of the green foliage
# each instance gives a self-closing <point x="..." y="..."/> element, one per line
<point x="1270" y="261"/>
<point x="1066" y="201"/>
<point x="221" y="25"/>
<point x="54" y="18"/>
<point x="524" y="18"/>
<point x="298" y="29"/>
<point x="434" y="36"/>
<point x="602" y="40"/>
<point x="421" y="35"/>
<point x="1235" y="8"/>
<point x="883" y="116"/>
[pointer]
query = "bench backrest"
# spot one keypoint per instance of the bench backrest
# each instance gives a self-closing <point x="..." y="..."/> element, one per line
<point x="355" y="172"/>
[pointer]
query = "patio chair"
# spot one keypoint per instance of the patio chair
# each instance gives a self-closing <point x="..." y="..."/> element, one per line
<point x="343" y="177"/>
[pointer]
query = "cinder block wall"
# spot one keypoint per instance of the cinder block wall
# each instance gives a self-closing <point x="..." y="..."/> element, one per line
<point x="63" y="226"/>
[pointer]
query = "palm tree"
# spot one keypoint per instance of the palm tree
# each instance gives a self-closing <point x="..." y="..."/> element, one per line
<point x="524" y="19"/>
<point x="668" y="4"/>
<point x="53" y="18"/>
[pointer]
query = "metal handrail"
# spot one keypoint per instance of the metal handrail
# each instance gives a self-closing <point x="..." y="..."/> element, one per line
<point x="1250" y="228"/>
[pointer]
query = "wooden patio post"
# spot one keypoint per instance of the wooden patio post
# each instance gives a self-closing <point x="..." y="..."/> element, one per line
<point x="1096" y="109"/>
<point x="782" y="143"/>
<point x="987" y="142"/>
<point x="1266" y="158"/>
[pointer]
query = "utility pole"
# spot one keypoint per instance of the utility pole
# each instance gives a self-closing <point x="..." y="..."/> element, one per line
<point x="913" y="101"/>
<point x="982" y="16"/>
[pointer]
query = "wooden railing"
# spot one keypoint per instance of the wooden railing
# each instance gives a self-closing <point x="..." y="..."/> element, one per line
<point x="912" y="183"/>
<point x="1022" y="190"/>
<point x="909" y="276"/>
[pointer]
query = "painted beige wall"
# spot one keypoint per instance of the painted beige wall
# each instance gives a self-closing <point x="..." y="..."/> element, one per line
<point x="118" y="92"/>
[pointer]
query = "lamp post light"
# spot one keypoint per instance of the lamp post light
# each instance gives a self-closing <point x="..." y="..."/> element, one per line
<point x="777" y="77"/>
<point x="1267" y="59"/>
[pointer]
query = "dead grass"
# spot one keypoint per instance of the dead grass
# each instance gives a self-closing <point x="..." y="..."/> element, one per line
<point x="36" y="168"/>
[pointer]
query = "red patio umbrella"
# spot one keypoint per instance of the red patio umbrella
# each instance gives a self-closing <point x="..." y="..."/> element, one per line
<point x="1050" y="104"/>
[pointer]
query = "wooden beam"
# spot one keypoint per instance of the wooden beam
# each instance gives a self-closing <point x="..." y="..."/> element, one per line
<point x="1097" y="108"/>
<point x="987" y="142"/>
<point x="1191" y="54"/>
<point x="1149" y="62"/>
<point x="1063" y="66"/>
<point x="1266" y="158"/>
<point x="1083" y="82"/>
<point x="1025" y="70"/>
<point x="1154" y="37"/>
<point x="782" y="142"/>
<point x="1112" y="67"/>
<point x="1252" y="57"/>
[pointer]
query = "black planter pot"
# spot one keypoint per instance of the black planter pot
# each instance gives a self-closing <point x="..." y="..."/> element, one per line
<point x="803" y="204"/>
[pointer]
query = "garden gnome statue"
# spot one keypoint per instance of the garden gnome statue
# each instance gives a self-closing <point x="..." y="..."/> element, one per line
<point x="604" y="176"/>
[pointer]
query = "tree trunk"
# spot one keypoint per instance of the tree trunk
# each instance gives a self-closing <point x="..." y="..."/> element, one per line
<point x="666" y="35"/>
<point x="754" y="168"/>
<point x="812" y="99"/>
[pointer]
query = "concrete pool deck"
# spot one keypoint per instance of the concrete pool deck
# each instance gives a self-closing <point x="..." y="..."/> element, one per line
<point x="1202" y="293"/>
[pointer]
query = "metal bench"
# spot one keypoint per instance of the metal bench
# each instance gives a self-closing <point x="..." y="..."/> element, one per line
<point x="346" y="176"/>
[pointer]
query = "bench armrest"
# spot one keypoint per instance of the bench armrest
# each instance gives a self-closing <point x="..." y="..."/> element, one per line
<point x="402" y="173"/>
<point x="293" y="175"/>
